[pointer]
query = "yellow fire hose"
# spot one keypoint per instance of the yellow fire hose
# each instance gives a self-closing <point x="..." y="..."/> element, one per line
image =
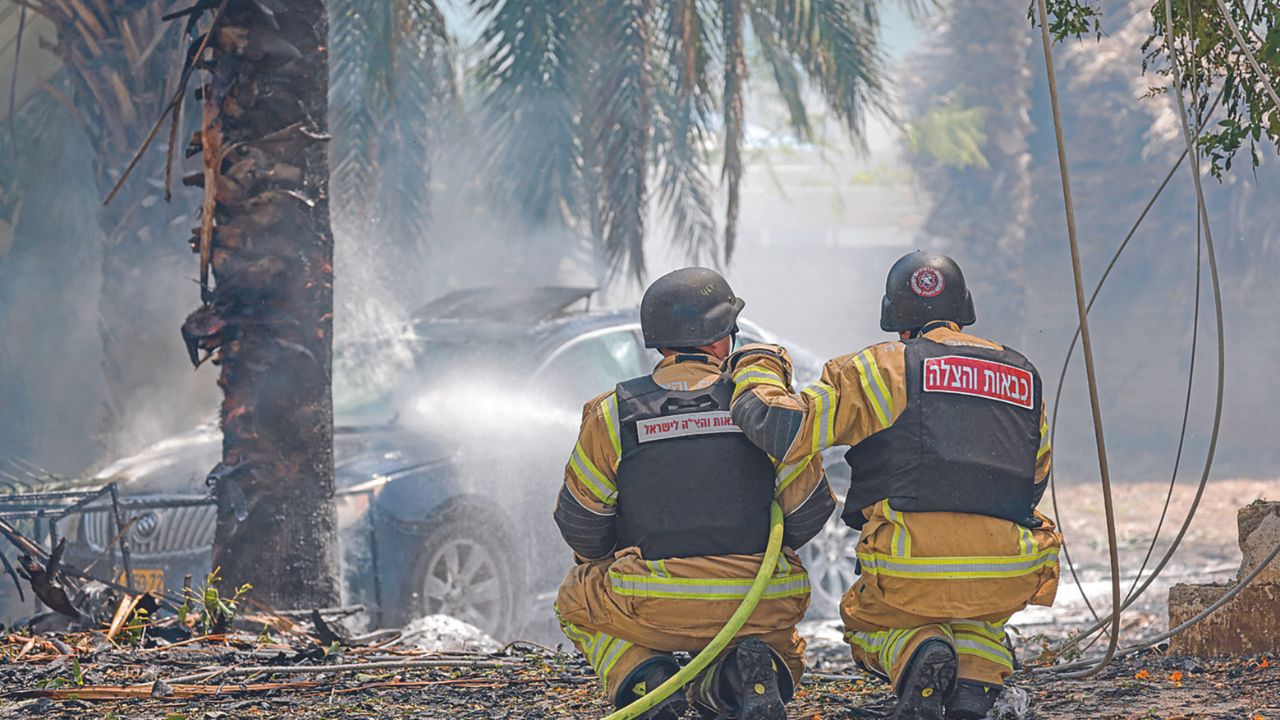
<point x="726" y="634"/>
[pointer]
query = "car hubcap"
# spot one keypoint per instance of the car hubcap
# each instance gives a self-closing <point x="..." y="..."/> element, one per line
<point x="829" y="558"/>
<point x="462" y="581"/>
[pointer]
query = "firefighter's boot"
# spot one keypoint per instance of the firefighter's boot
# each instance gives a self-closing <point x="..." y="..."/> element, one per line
<point x="973" y="700"/>
<point x="748" y="683"/>
<point x="645" y="679"/>
<point x="927" y="683"/>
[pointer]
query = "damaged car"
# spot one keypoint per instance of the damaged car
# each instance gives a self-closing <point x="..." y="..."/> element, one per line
<point x="450" y="439"/>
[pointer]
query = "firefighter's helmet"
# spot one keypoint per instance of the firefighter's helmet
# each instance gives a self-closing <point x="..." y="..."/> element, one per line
<point x="923" y="287"/>
<point x="688" y="307"/>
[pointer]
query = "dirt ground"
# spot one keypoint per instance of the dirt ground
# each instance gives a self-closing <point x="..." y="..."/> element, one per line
<point x="83" y="676"/>
<point x="550" y="686"/>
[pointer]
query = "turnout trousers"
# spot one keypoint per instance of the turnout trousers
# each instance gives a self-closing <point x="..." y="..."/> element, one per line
<point x="952" y="576"/>
<point x="622" y="611"/>
<point x="979" y="645"/>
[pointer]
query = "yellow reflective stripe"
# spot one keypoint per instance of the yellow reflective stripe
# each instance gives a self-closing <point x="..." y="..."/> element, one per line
<point x="1044" y="440"/>
<point x="784" y="567"/>
<point x="824" y="408"/>
<point x="610" y="407"/>
<point x="893" y="647"/>
<point x="704" y="588"/>
<point x="901" y="536"/>
<point x="746" y="377"/>
<point x="1026" y="541"/>
<point x="572" y="632"/>
<point x="602" y="651"/>
<point x="874" y="388"/>
<point x="866" y="641"/>
<point x="956" y="568"/>
<point x="981" y="629"/>
<point x="658" y="568"/>
<point x="611" y="655"/>
<point x="586" y="471"/>
<point x="788" y="474"/>
<point x="985" y="649"/>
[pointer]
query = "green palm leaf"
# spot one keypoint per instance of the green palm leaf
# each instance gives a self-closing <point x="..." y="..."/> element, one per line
<point x="836" y="42"/>
<point x="530" y="104"/>
<point x="393" y="87"/>
<point x="683" y="105"/>
<point x="622" y="128"/>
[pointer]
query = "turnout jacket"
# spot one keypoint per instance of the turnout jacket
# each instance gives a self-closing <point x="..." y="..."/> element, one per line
<point x="915" y="553"/>
<point x="588" y="509"/>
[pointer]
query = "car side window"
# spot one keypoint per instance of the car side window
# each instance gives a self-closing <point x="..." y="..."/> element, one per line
<point x="590" y="365"/>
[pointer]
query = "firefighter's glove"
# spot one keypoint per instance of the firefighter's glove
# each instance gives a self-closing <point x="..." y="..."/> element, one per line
<point x="772" y="358"/>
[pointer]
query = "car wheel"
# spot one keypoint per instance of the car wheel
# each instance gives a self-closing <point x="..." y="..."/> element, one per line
<point x="466" y="569"/>
<point x="830" y="561"/>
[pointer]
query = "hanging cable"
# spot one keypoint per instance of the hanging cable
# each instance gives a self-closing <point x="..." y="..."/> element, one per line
<point x="1062" y="375"/>
<point x="1085" y="341"/>
<point x="1190" y="142"/>
<point x="1227" y="597"/>
<point x="1066" y="363"/>
<point x="1186" y="416"/>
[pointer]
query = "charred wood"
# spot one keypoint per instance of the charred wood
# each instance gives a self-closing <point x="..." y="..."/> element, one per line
<point x="266" y="250"/>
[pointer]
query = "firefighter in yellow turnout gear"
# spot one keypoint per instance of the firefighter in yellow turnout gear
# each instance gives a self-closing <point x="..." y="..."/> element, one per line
<point x="950" y="456"/>
<point x="666" y="505"/>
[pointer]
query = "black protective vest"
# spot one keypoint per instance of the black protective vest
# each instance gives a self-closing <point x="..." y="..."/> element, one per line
<point x="966" y="441"/>
<point x="689" y="482"/>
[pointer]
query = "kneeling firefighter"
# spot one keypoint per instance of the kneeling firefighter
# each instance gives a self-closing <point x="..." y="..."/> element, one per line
<point x="667" y="508"/>
<point x="950" y="456"/>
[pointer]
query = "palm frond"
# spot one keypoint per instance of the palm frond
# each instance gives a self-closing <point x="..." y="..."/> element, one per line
<point x="355" y="104"/>
<point x="837" y="44"/>
<point x="784" y="66"/>
<point x="623" y="123"/>
<point x="735" y="72"/>
<point x="529" y="106"/>
<point x="393" y="86"/>
<point x="683" y="104"/>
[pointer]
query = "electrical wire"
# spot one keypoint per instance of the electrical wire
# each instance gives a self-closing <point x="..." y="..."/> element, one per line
<point x="1227" y="597"/>
<point x="1190" y="143"/>
<point x="1066" y="362"/>
<point x="1086" y="341"/>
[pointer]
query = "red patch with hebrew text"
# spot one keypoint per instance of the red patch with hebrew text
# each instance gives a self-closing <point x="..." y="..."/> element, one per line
<point x="979" y="378"/>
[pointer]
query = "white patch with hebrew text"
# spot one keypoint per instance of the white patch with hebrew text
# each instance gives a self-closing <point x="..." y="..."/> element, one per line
<point x="686" y="425"/>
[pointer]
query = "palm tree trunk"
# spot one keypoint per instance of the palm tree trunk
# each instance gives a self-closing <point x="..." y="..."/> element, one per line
<point x="268" y="321"/>
<point x="982" y="61"/>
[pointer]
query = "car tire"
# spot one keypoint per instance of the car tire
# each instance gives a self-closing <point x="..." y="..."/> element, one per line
<point x="830" y="560"/>
<point x="469" y="568"/>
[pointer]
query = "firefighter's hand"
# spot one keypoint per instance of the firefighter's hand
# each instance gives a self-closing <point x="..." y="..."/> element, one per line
<point x="773" y="358"/>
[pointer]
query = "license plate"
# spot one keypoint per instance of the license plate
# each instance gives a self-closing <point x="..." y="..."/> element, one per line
<point x="149" y="580"/>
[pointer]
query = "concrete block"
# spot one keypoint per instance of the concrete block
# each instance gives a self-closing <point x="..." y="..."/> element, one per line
<point x="1250" y="623"/>
<point x="1259" y="524"/>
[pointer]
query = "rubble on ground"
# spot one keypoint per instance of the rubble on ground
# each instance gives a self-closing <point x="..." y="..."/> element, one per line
<point x="278" y="665"/>
<point x="444" y="633"/>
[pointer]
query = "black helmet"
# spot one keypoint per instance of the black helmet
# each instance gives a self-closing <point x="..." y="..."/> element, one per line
<point x="688" y="307"/>
<point x="923" y="287"/>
